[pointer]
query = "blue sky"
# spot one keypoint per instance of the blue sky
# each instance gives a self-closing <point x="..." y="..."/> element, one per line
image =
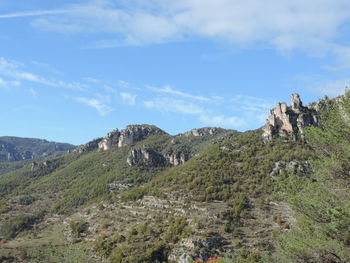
<point x="71" y="71"/>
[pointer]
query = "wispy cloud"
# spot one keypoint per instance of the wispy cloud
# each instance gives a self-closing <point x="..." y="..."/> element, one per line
<point x="13" y="69"/>
<point x="128" y="98"/>
<point x="324" y="86"/>
<point x="34" y="13"/>
<point x="188" y="108"/>
<point x="48" y="68"/>
<point x="97" y="104"/>
<point x="9" y="84"/>
<point x="310" y="26"/>
<point x="252" y="104"/>
<point x="221" y="120"/>
<point x="171" y="91"/>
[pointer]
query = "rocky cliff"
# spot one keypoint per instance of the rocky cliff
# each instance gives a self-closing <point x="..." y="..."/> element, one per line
<point x="289" y="121"/>
<point x="145" y="157"/>
<point x="130" y="135"/>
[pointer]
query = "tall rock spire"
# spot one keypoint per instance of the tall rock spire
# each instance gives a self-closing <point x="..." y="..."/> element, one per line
<point x="289" y="121"/>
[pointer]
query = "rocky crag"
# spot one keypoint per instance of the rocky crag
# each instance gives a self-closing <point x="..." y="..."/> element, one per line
<point x="176" y="149"/>
<point x="289" y="121"/>
<point x="131" y="134"/>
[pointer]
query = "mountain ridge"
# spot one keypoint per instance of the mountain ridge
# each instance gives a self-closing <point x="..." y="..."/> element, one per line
<point x="238" y="198"/>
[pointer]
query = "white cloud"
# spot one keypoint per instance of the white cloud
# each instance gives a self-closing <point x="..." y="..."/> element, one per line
<point x="123" y="84"/>
<point x="171" y="91"/>
<point x="323" y="85"/>
<point x="128" y="98"/>
<point x="34" y="13"/>
<point x="13" y="69"/>
<point x="223" y="121"/>
<point x="312" y="26"/>
<point x="188" y="108"/>
<point x="251" y="104"/>
<point x="171" y="105"/>
<point x="332" y="88"/>
<point x="97" y="104"/>
<point x="9" y="84"/>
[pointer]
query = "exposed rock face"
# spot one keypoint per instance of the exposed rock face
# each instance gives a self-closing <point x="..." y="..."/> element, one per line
<point x="130" y="135"/>
<point x="111" y="139"/>
<point x="145" y="157"/>
<point x="135" y="133"/>
<point x="293" y="166"/>
<point x="177" y="159"/>
<point x="289" y="121"/>
<point x="90" y="146"/>
<point x="197" y="248"/>
<point x="202" y="131"/>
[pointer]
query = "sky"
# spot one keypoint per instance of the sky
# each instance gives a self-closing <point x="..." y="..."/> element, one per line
<point x="71" y="71"/>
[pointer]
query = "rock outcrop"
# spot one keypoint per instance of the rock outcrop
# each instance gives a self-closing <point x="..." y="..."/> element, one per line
<point x="90" y="146"/>
<point x="176" y="159"/>
<point x="131" y="134"/>
<point x="111" y="139"/>
<point x="146" y="157"/>
<point x="197" y="249"/>
<point x="202" y="131"/>
<point x="289" y="121"/>
<point x="299" y="167"/>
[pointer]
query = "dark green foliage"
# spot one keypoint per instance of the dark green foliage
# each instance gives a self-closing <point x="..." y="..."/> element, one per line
<point x="13" y="226"/>
<point x="26" y="200"/>
<point x="78" y="228"/>
<point x="241" y="164"/>
<point x="322" y="202"/>
<point x="243" y="256"/>
<point x="177" y="229"/>
<point x="76" y="253"/>
<point x="144" y="243"/>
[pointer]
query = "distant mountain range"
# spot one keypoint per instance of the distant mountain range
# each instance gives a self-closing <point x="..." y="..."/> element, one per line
<point x="16" y="151"/>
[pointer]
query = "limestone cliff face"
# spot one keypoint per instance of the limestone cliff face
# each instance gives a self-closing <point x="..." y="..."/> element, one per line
<point x="202" y="131"/>
<point x="176" y="159"/>
<point x="135" y="133"/>
<point x="146" y="157"/>
<point x="131" y="134"/>
<point x="90" y="146"/>
<point x="111" y="139"/>
<point x="289" y="121"/>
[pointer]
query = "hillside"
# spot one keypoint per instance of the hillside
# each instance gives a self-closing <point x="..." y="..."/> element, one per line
<point x="276" y="194"/>
<point x="15" y="152"/>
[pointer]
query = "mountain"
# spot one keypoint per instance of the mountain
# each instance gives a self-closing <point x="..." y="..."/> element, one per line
<point x="15" y="152"/>
<point x="276" y="194"/>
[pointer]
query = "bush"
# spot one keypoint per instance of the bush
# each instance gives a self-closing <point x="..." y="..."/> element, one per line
<point x="26" y="200"/>
<point x="78" y="227"/>
<point x="13" y="226"/>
